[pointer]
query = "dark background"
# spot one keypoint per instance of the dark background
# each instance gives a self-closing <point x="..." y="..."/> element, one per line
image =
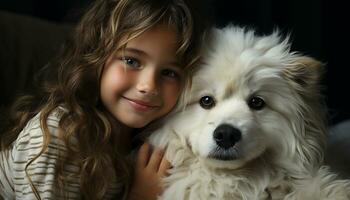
<point x="318" y="28"/>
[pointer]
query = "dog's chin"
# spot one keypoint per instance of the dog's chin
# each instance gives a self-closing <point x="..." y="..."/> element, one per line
<point x="223" y="164"/>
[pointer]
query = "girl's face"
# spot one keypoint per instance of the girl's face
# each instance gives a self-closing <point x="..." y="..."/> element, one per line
<point x="143" y="82"/>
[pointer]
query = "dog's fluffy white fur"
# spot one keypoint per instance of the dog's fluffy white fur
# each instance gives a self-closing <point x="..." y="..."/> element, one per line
<point x="253" y="125"/>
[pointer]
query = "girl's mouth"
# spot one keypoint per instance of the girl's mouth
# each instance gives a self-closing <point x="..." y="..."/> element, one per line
<point x="140" y="104"/>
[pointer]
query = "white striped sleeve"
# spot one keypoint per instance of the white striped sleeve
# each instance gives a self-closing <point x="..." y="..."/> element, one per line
<point x="41" y="171"/>
<point x="15" y="184"/>
<point x="6" y="183"/>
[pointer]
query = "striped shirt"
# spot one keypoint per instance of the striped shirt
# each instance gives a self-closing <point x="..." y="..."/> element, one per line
<point x="15" y="184"/>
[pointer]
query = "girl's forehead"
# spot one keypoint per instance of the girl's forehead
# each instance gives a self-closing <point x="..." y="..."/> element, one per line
<point x="158" y="31"/>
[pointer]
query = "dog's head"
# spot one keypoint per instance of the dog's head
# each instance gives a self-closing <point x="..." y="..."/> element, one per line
<point x="252" y="96"/>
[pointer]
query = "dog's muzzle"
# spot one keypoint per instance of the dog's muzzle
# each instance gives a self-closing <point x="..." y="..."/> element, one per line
<point x="225" y="137"/>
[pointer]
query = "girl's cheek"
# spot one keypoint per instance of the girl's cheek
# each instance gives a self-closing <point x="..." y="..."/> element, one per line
<point x="173" y="93"/>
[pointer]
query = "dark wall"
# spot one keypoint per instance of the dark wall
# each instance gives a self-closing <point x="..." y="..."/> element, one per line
<point x="57" y="11"/>
<point x="318" y="29"/>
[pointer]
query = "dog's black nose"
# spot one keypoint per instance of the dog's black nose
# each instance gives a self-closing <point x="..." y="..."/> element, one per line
<point x="226" y="136"/>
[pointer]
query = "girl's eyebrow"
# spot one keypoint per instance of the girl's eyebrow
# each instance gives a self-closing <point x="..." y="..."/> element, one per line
<point x="136" y="51"/>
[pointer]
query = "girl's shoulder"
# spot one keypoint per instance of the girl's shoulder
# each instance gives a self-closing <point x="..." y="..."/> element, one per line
<point x="33" y="131"/>
<point x="27" y="159"/>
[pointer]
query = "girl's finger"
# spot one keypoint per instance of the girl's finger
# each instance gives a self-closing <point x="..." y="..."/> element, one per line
<point x="164" y="166"/>
<point x="155" y="159"/>
<point x="143" y="155"/>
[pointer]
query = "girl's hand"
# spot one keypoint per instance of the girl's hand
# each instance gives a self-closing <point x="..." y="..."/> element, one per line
<point x="149" y="170"/>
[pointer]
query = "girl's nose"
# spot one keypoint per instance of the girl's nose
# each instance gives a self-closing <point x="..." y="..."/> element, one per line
<point x="147" y="83"/>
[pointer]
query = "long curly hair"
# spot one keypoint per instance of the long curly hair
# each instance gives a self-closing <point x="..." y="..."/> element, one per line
<point x="76" y="86"/>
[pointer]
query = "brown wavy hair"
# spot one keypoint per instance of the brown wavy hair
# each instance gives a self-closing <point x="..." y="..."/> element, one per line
<point x="76" y="86"/>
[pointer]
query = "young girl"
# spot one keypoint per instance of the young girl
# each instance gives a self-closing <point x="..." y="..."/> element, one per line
<point x="126" y="67"/>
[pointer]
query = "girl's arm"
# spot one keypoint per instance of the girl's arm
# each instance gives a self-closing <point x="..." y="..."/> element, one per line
<point x="6" y="183"/>
<point x="32" y="178"/>
<point x="150" y="167"/>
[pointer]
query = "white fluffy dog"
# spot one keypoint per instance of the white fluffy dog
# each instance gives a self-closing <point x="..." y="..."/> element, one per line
<point x="253" y="125"/>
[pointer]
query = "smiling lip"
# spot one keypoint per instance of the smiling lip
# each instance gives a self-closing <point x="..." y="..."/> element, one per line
<point x="140" y="105"/>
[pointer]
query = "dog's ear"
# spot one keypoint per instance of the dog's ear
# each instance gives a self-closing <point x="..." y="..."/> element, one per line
<point x="304" y="73"/>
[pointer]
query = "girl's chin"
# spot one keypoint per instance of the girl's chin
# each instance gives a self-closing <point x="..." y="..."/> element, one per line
<point x="136" y="124"/>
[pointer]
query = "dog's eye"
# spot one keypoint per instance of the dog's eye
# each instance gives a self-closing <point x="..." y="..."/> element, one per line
<point x="256" y="103"/>
<point x="207" y="102"/>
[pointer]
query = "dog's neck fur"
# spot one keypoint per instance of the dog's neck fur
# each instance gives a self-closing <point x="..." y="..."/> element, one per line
<point x="259" y="179"/>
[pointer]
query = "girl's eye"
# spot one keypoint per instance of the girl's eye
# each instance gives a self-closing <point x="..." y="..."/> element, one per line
<point x="170" y="73"/>
<point x="132" y="62"/>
